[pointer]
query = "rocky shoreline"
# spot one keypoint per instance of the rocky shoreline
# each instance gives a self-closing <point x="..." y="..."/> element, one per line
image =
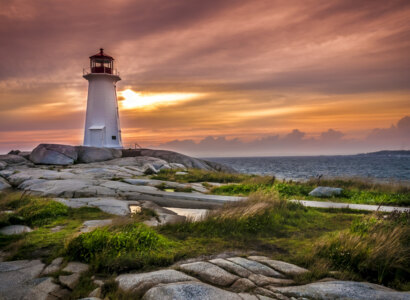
<point x="116" y="182"/>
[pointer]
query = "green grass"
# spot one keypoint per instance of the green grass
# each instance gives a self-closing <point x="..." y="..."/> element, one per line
<point x="354" y="192"/>
<point x="42" y="215"/>
<point x="375" y="248"/>
<point x="196" y="175"/>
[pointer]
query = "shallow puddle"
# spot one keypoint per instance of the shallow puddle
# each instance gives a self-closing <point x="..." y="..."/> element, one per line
<point x="193" y="214"/>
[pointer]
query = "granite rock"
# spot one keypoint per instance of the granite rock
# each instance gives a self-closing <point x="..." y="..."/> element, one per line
<point x="209" y="272"/>
<point x="189" y="291"/>
<point x="342" y="290"/>
<point x="139" y="283"/>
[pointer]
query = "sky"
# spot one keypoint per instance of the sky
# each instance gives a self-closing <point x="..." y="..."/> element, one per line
<point x="212" y="78"/>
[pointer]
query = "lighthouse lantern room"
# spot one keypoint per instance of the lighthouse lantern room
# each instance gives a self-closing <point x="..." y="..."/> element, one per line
<point x="102" y="124"/>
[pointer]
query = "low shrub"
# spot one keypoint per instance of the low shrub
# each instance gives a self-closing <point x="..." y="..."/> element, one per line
<point x="376" y="248"/>
<point x="119" y="248"/>
<point x="41" y="211"/>
<point x="293" y="189"/>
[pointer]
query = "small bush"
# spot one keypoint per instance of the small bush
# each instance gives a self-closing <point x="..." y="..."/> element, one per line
<point x="115" y="243"/>
<point x="293" y="189"/>
<point x="376" y="249"/>
<point x="42" y="211"/>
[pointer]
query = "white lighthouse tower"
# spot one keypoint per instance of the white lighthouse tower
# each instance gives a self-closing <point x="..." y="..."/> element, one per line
<point x="102" y="124"/>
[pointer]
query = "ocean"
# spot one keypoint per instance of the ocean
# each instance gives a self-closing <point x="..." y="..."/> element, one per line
<point x="378" y="167"/>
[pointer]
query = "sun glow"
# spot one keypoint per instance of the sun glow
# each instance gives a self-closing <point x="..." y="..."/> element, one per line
<point x="152" y="100"/>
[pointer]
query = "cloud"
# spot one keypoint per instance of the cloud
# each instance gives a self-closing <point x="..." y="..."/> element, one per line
<point x="263" y="66"/>
<point x="296" y="143"/>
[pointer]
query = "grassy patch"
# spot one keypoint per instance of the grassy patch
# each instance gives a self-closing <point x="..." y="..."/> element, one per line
<point x="353" y="191"/>
<point x="44" y="216"/>
<point x="196" y="175"/>
<point x="376" y="248"/>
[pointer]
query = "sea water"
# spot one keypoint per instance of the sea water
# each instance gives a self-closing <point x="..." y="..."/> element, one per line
<point x="379" y="167"/>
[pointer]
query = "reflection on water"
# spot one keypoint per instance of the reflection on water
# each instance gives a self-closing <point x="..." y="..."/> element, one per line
<point x="193" y="214"/>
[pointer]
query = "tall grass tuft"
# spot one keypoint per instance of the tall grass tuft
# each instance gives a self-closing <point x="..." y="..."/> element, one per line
<point x="377" y="248"/>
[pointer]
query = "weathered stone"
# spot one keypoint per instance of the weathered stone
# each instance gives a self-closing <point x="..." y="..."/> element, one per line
<point x="263" y="280"/>
<point x="95" y="154"/>
<point x="43" y="289"/>
<point x="76" y="267"/>
<point x="324" y="191"/>
<point x="112" y="206"/>
<point x="93" y="224"/>
<point x="231" y="267"/>
<point x="264" y="292"/>
<point x="70" y="280"/>
<point x="53" y="154"/>
<point x="119" y="186"/>
<point x="18" y="278"/>
<point x="209" y="272"/>
<point x="4" y="184"/>
<point x="280" y="266"/>
<point x="53" y="267"/>
<point x="181" y="173"/>
<point x="174" y="157"/>
<point x="245" y="296"/>
<point x="189" y="291"/>
<point x="3" y="165"/>
<point x="343" y="290"/>
<point x="60" y="293"/>
<point x="139" y="283"/>
<point x="255" y="266"/>
<point x="11" y="159"/>
<point x="15" y="229"/>
<point x="95" y="293"/>
<point x="242" y="285"/>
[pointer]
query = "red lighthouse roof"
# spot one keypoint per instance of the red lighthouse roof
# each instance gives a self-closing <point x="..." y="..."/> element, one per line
<point x="102" y="55"/>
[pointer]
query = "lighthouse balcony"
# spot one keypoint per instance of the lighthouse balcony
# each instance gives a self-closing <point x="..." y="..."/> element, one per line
<point x="101" y="70"/>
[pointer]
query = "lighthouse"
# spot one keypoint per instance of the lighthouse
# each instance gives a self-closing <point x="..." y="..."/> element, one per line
<point x="102" y="124"/>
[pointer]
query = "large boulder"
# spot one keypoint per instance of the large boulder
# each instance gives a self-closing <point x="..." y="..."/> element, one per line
<point x="53" y="154"/>
<point x="95" y="154"/>
<point x="12" y="159"/>
<point x="178" y="158"/>
<point x="15" y="229"/>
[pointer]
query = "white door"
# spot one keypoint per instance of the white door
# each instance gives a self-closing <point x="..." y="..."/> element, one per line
<point x="96" y="137"/>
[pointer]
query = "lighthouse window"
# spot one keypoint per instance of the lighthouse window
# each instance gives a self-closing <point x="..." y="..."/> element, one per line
<point x="114" y="137"/>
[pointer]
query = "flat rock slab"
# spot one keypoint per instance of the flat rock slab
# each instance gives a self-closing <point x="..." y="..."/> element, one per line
<point x="281" y="266"/>
<point x="15" y="229"/>
<point x="343" y="290"/>
<point x="70" y="280"/>
<point x="189" y="291"/>
<point x="53" y="267"/>
<point x="107" y="204"/>
<point x="18" y="278"/>
<point x="141" y="282"/>
<point x="210" y="273"/>
<point x="231" y="267"/>
<point x="4" y="184"/>
<point x="76" y="267"/>
<point x="255" y="267"/>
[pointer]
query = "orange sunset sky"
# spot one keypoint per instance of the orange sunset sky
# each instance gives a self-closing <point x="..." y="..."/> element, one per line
<point x="215" y="77"/>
